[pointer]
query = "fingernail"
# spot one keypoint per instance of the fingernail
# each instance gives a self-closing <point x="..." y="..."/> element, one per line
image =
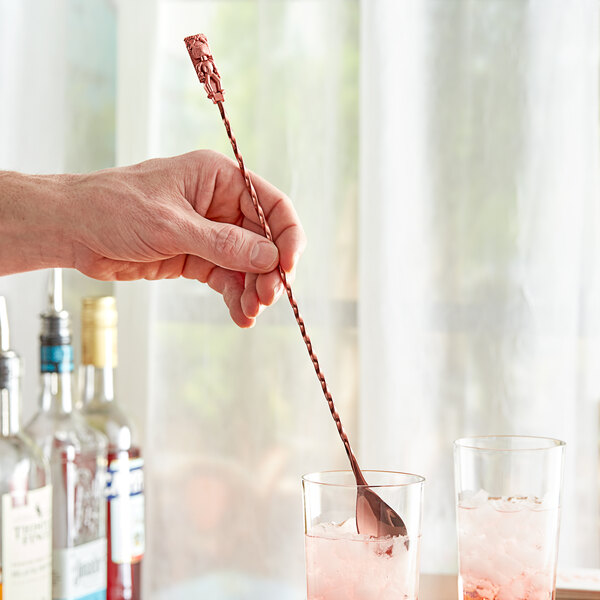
<point x="264" y="255"/>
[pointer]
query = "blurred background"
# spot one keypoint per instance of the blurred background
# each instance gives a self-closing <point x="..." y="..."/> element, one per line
<point x="443" y="157"/>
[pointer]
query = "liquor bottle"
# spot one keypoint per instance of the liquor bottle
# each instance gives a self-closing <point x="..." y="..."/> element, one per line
<point x="25" y="490"/>
<point x="77" y="457"/>
<point x="125" y="481"/>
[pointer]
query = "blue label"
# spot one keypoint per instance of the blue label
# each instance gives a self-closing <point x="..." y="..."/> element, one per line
<point x="125" y="478"/>
<point x="56" y="359"/>
<point x="95" y="596"/>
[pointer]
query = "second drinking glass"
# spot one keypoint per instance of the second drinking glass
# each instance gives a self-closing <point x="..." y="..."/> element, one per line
<point x="508" y="501"/>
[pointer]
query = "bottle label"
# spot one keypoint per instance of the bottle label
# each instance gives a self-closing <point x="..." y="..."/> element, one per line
<point x="27" y="545"/>
<point x="56" y="359"/>
<point x="79" y="573"/>
<point x="125" y="495"/>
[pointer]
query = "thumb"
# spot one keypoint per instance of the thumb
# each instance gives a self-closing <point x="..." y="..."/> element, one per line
<point x="231" y="247"/>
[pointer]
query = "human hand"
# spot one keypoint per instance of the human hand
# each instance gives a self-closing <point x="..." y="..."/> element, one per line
<point x="187" y="216"/>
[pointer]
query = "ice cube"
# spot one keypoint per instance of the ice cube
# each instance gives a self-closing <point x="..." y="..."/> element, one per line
<point x="473" y="499"/>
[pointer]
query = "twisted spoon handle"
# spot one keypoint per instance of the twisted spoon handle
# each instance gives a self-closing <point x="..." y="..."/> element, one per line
<point x="199" y="51"/>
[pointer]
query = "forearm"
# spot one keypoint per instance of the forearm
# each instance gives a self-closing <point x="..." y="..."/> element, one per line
<point x="35" y="222"/>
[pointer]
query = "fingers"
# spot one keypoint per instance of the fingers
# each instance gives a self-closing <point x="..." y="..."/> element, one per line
<point x="291" y="242"/>
<point x="250" y="301"/>
<point x="230" y="188"/>
<point x="231" y="285"/>
<point x="106" y="269"/>
<point x="268" y="287"/>
<point x="229" y="246"/>
<point x="239" y="290"/>
<point x="246" y="296"/>
<point x="282" y="218"/>
<point x="216" y="189"/>
<point x="260" y="291"/>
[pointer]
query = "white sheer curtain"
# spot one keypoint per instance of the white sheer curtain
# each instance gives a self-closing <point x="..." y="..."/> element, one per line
<point x="479" y="247"/>
<point x="26" y="135"/>
<point x="462" y="188"/>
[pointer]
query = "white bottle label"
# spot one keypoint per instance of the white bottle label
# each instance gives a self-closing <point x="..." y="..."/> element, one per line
<point x="79" y="573"/>
<point x="125" y="495"/>
<point x="27" y="545"/>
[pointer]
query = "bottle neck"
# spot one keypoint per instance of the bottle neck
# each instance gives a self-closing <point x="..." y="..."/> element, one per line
<point x="10" y="393"/>
<point x="56" y="392"/>
<point x="57" y="372"/>
<point x="98" y="384"/>
<point x="9" y="411"/>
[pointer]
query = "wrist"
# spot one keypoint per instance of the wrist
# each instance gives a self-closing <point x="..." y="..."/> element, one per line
<point x="34" y="223"/>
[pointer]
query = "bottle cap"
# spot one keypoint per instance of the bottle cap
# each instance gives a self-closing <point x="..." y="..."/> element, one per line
<point x="56" y="352"/>
<point x="99" y="331"/>
<point x="10" y="362"/>
<point x="99" y="311"/>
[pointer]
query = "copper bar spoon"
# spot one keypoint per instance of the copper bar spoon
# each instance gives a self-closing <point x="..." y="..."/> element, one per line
<point x="374" y="517"/>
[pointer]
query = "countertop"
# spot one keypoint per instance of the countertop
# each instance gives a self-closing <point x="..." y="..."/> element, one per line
<point x="438" y="587"/>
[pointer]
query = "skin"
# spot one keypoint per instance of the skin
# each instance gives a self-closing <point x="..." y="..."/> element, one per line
<point x="186" y="216"/>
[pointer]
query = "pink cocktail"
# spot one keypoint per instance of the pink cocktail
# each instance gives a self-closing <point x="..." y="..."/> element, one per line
<point x="341" y="563"/>
<point x="507" y="548"/>
<point x="508" y="505"/>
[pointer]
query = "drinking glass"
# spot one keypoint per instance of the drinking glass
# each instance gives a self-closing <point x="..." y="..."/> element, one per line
<point x="342" y="564"/>
<point x="508" y="503"/>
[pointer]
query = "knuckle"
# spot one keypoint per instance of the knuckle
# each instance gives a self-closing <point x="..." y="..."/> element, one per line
<point x="228" y="241"/>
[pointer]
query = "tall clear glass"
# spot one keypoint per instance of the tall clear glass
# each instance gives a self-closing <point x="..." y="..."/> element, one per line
<point x="342" y="564"/>
<point x="508" y="491"/>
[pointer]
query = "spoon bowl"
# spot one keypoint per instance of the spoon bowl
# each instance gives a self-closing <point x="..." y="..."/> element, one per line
<point x="374" y="517"/>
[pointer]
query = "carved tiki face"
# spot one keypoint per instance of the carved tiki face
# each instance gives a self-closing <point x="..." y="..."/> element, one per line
<point x="200" y="49"/>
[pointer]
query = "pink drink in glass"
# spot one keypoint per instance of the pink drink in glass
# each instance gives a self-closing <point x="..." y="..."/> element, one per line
<point x="507" y="547"/>
<point x="342" y="564"/>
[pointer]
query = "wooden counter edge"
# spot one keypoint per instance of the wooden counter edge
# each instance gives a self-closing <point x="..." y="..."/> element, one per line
<point x="438" y="587"/>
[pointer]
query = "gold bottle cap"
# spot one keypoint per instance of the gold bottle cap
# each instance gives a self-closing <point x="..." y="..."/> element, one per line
<point x="99" y="331"/>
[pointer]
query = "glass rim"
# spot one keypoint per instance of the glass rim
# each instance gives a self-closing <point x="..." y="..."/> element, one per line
<point x="311" y="478"/>
<point x="476" y="442"/>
